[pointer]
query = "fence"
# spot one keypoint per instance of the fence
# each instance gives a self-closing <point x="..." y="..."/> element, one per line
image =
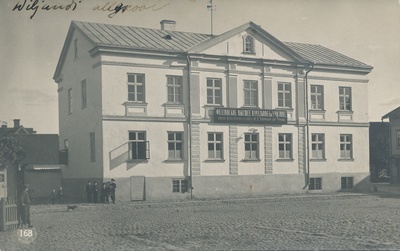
<point x="8" y="214"/>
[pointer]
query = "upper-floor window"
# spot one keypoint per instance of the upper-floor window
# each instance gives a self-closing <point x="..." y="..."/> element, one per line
<point x="345" y="99"/>
<point x="92" y="147"/>
<point x="83" y="94"/>
<point x="284" y="95"/>
<point x="175" y="145"/>
<point x="248" y="44"/>
<point x="346" y="146"/>
<point x="251" y="146"/>
<point x="215" y="145"/>
<point x="136" y="88"/>
<point x="398" y="138"/>
<point x="214" y="91"/>
<point x="317" y="97"/>
<point x="174" y="86"/>
<point x="138" y="146"/>
<point x="250" y="93"/>
<point x="70" y="101"/>
<point x="318" y="146"/>
<point x="75" y="49"/>
<point x="285" y="145"/>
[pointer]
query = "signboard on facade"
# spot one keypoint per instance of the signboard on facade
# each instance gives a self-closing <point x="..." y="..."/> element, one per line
<point x="250" y="116"/>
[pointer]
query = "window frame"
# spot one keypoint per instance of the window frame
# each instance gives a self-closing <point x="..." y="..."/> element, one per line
<point x="175" y="142"/>
<point x="214" y="142"/>
<point x="248" y="44"/>
<point x="285" y="143"/>
<point x="251" y="143"/>
<point x="344" y="104"/>
<point x="213" y="89"/>
<point x="135" y="86"/>
<point x="315" y="92"/>
<point x="176" y="89"/>
<point x="70" y="100"/>
<point x="253" y="102"/>
<point x="83" y="94"/>
<point x="318" y="143"/>
<point x="346" y="182"/>
<point x="92" y="137"/>
<point x="137" y="144"/>
<point x="181" y="187"/>
<point x="346" y="143"/>
<point x="315" y="183"/>
<point x="282" y="102"/>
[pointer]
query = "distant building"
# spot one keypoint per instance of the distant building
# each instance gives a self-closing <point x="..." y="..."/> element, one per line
<point x="394" y="121"/>
<point x="173" y="114"/>
<point x="379" y="151"/>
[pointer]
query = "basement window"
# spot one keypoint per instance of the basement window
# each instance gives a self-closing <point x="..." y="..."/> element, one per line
<point x="315" y="184"/>
<point x="346" y="182"/>
<point x="179" y="186"/>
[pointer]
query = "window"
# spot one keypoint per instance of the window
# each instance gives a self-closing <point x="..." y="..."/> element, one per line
<point x="75" y="49"/>
<point x="344" y="98"/>
<point x="248" y="44"/>
<point x="70" y="101"/>
<point x="65" y="143"/>
<point x="83" y="94"/>
<point x="138" y="146"/>
<point x="284" y="95"/>
<point x="92" y="147"/>
<point x="285" y="145"/>
<point x="317" y="146"/>
<point x="250" y="93"/>
<point x="346" y="146"/>
<point x="251" y="146"/>
<point x="179" y="186"/>
<point x="174" y="86"/>
<point x="315" y="184"/>
<point x="317" y="97"/>
<point x="214" y="91"/>
<point x="346" y="182"/>
<point x="215" y="145"/>
<point x="175" y="145"/>
<point x="136" y="87"/>
<point x="398" y="138"/>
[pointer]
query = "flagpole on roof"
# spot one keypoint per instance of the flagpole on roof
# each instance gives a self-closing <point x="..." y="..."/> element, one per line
<point x="210" y="6"/>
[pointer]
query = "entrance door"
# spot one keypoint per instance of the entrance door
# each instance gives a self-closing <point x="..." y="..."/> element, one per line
<point x="137" y="188"/>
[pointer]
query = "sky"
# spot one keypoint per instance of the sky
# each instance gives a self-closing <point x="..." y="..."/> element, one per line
<point x="31" y="42"/>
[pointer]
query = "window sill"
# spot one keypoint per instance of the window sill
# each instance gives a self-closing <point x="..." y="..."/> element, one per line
<point x="345" y="112"/>
<point x="213" y="105"/>
<point x="137" y="160"/>
<point x="346" y="160"/>
<point x="174" y="161"/>
<point x="249" y="53"/>
<point x="214" y="160"/>
<point x="284" y="160"/>
<point x="318" y="160"/>
<point x="250" y="160"/>
<point x="176" y="104"/>
<point x="285" y="108"/>
<point x="250" y="106"/>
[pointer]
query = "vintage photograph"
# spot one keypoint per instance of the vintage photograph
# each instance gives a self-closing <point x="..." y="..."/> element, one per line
<point x="200" y="125"/>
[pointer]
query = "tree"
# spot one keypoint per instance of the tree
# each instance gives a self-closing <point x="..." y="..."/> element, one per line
<point x="10" y="153"/>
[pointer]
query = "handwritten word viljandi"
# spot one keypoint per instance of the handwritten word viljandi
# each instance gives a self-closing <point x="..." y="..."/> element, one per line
<point x="116" y="7"/>
<point x="35" y="5"/>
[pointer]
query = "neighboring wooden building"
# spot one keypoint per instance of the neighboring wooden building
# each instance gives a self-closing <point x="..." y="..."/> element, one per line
<point x="172" y="114"/>
<point x="394" y="121"/>
<point x="379" y="151"/>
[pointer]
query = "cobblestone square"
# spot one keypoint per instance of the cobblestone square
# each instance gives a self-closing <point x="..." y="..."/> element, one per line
<point x="306" y="222"/>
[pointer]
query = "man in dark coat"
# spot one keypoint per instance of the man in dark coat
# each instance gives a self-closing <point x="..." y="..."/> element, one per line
<point x="61" y="195"/>
<point x="95" y="191"/>
<point x="89" y="192"/>
<point x="113" y="187"/>
<point x="25" y="202"/>
<point x="104" y="193"/>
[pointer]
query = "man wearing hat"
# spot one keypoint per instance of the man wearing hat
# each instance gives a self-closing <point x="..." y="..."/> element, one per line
<point x="25" y="202"/>
<point x="113" y="186"/>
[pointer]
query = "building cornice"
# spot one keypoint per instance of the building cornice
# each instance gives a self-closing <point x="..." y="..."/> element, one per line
<point x="143" y="118"/>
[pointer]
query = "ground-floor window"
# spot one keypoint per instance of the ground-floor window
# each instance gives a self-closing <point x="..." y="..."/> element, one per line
<point x="315" y="184"/>
<point x="215" y="145"/>
<point x="346" y="182"/>
<point x="179" y="186"/>
<point x="251" y="146"/>
<point x="139" y="148"/>
<point x="285" y="145"/>
<point x="317" y="146"/>
<point x="346" y="146"/>
<point x="175" y="143"/>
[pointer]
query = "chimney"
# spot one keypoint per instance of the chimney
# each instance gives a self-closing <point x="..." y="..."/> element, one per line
<point x="168" y="25"/>
<point x="3" y="124"/>
<point x="16" y="123"/>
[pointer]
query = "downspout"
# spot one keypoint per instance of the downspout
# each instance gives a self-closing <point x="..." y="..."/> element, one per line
<point x="307" y="129"/>
<point x="189" y="125"/>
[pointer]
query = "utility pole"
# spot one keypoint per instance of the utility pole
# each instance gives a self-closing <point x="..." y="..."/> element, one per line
<point x="210" y="7"/>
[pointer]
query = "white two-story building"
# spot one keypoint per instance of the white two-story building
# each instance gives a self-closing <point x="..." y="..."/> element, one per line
<point x="172" y="114"/>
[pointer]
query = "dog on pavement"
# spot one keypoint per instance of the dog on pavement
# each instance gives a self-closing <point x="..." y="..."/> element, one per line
<point x="72" y="207"/>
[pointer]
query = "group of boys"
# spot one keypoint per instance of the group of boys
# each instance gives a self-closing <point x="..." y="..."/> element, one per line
<point x="57" y="195"/>
<point x="106" y="191"/>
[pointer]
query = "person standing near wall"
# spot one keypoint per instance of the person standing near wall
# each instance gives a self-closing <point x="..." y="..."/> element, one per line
<point x="113" y="187"/>
<point x="89" y="192"/>
<point x="53" y="196"/>
<point x="61" y="195"/>
<point x="25" y="202"/>
<point x="95" y="191"/>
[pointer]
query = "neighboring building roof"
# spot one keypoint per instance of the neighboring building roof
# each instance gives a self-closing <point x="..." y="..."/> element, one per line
<point x="393" y="114"/>
<point x="19" y="130"/>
